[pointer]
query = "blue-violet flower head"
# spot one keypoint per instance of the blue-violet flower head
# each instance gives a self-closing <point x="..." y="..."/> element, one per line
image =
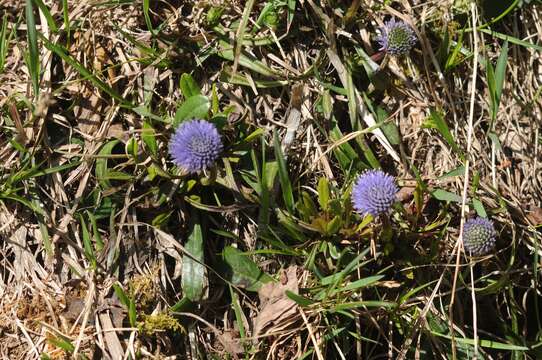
<point x="374" y="193"/>
<point x="478" y="236"/>
<point x="396" y="37"/>
<point x="196" y="145"/>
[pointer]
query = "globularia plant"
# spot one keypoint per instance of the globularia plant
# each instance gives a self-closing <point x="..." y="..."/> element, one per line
<point x="396" y="37"/>
<point x="196" y="145"/>
<point x="374" y="193"/>
<point x="478" y="236"/>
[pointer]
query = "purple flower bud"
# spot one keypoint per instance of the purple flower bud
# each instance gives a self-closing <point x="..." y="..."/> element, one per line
<point x="374" y="193"/>
<point x="196" y="145"/>
<point x="478" y="236"/>
<point x="396" y="37"/>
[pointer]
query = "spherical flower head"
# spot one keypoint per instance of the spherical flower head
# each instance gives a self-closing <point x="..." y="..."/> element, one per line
<point x="374" y="193"/>
<point x="396" y="37"/>
<point x="196" y="145"/>
<point x="478" y="236"/>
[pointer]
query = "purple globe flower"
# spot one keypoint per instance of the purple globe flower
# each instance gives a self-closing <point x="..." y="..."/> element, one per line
<point x="374" y="193"/>
<point x="396" y="37"/>
<point x="196" y="145"/>
<point x="478" y="236"/>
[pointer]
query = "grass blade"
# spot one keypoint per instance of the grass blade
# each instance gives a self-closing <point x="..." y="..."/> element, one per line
<point x="66" y="18"/>
<point x="147" y="17"/>
<point x="61" y="52"/>
<point x="87" y="243"/>
<point x="485" y="343"/>
<point x="436" y="121"/>
<point x="101" y="170"/>
<point x="33" y="57"/>
<point x="241" y="33"/>
<point x="498" y="80"/>
<point x="4" y="42"/>
<point x="291" y="13"/>
<point x="512" y="39"/>
<point x="285" y="183"/>
<point x="45" y="10"/>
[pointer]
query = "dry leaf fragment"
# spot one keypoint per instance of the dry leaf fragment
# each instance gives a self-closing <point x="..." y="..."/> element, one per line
<point x="535" y="215"/>
<point x="275" y="305"/>
<point x="231" y="343"/>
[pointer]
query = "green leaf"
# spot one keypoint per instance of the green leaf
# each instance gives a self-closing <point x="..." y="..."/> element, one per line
<point x="95" y="231"/>
<point x="242" y="271"/>
<point x="291" y="12"/>
<point x="291" y="226"/>
<point x="458" y="171"/>
<point x="323" y="193"/>
<point x="451" y="61"/>
<point x="123" y="298"/>
<point x="495" y="139"/>
<point x="161" y="218"/>
<point x="182" y="305"/>
<point x="254" y="135"/>
<point x="87" y="243"/>
<point x="101" y="170"/>
<point x="436" y="121"/>
<point x="266" y="177"/>
<point x="148" y="136"/>
<point x="388" y="127"/>
<point x="132" y="148"/>
<point x="189" y="87"/>
<point x="132" y="314"/>
<point x="479" y="207"/>
<point x="213" y="15"/>
<point x="444" y="195"/>
<point x="62" y="343"/>
<point x="194" y="107"/>
<point x="308" y="205"/>
<point x="284" y="178"/>
<point x="334" y="225"/>
<point x="194" y="277"/>
<point x="268" y="12"/>
<point x="145" y="112"/>
<point x="239" y="316"/>
<point x="490" y="75"/>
